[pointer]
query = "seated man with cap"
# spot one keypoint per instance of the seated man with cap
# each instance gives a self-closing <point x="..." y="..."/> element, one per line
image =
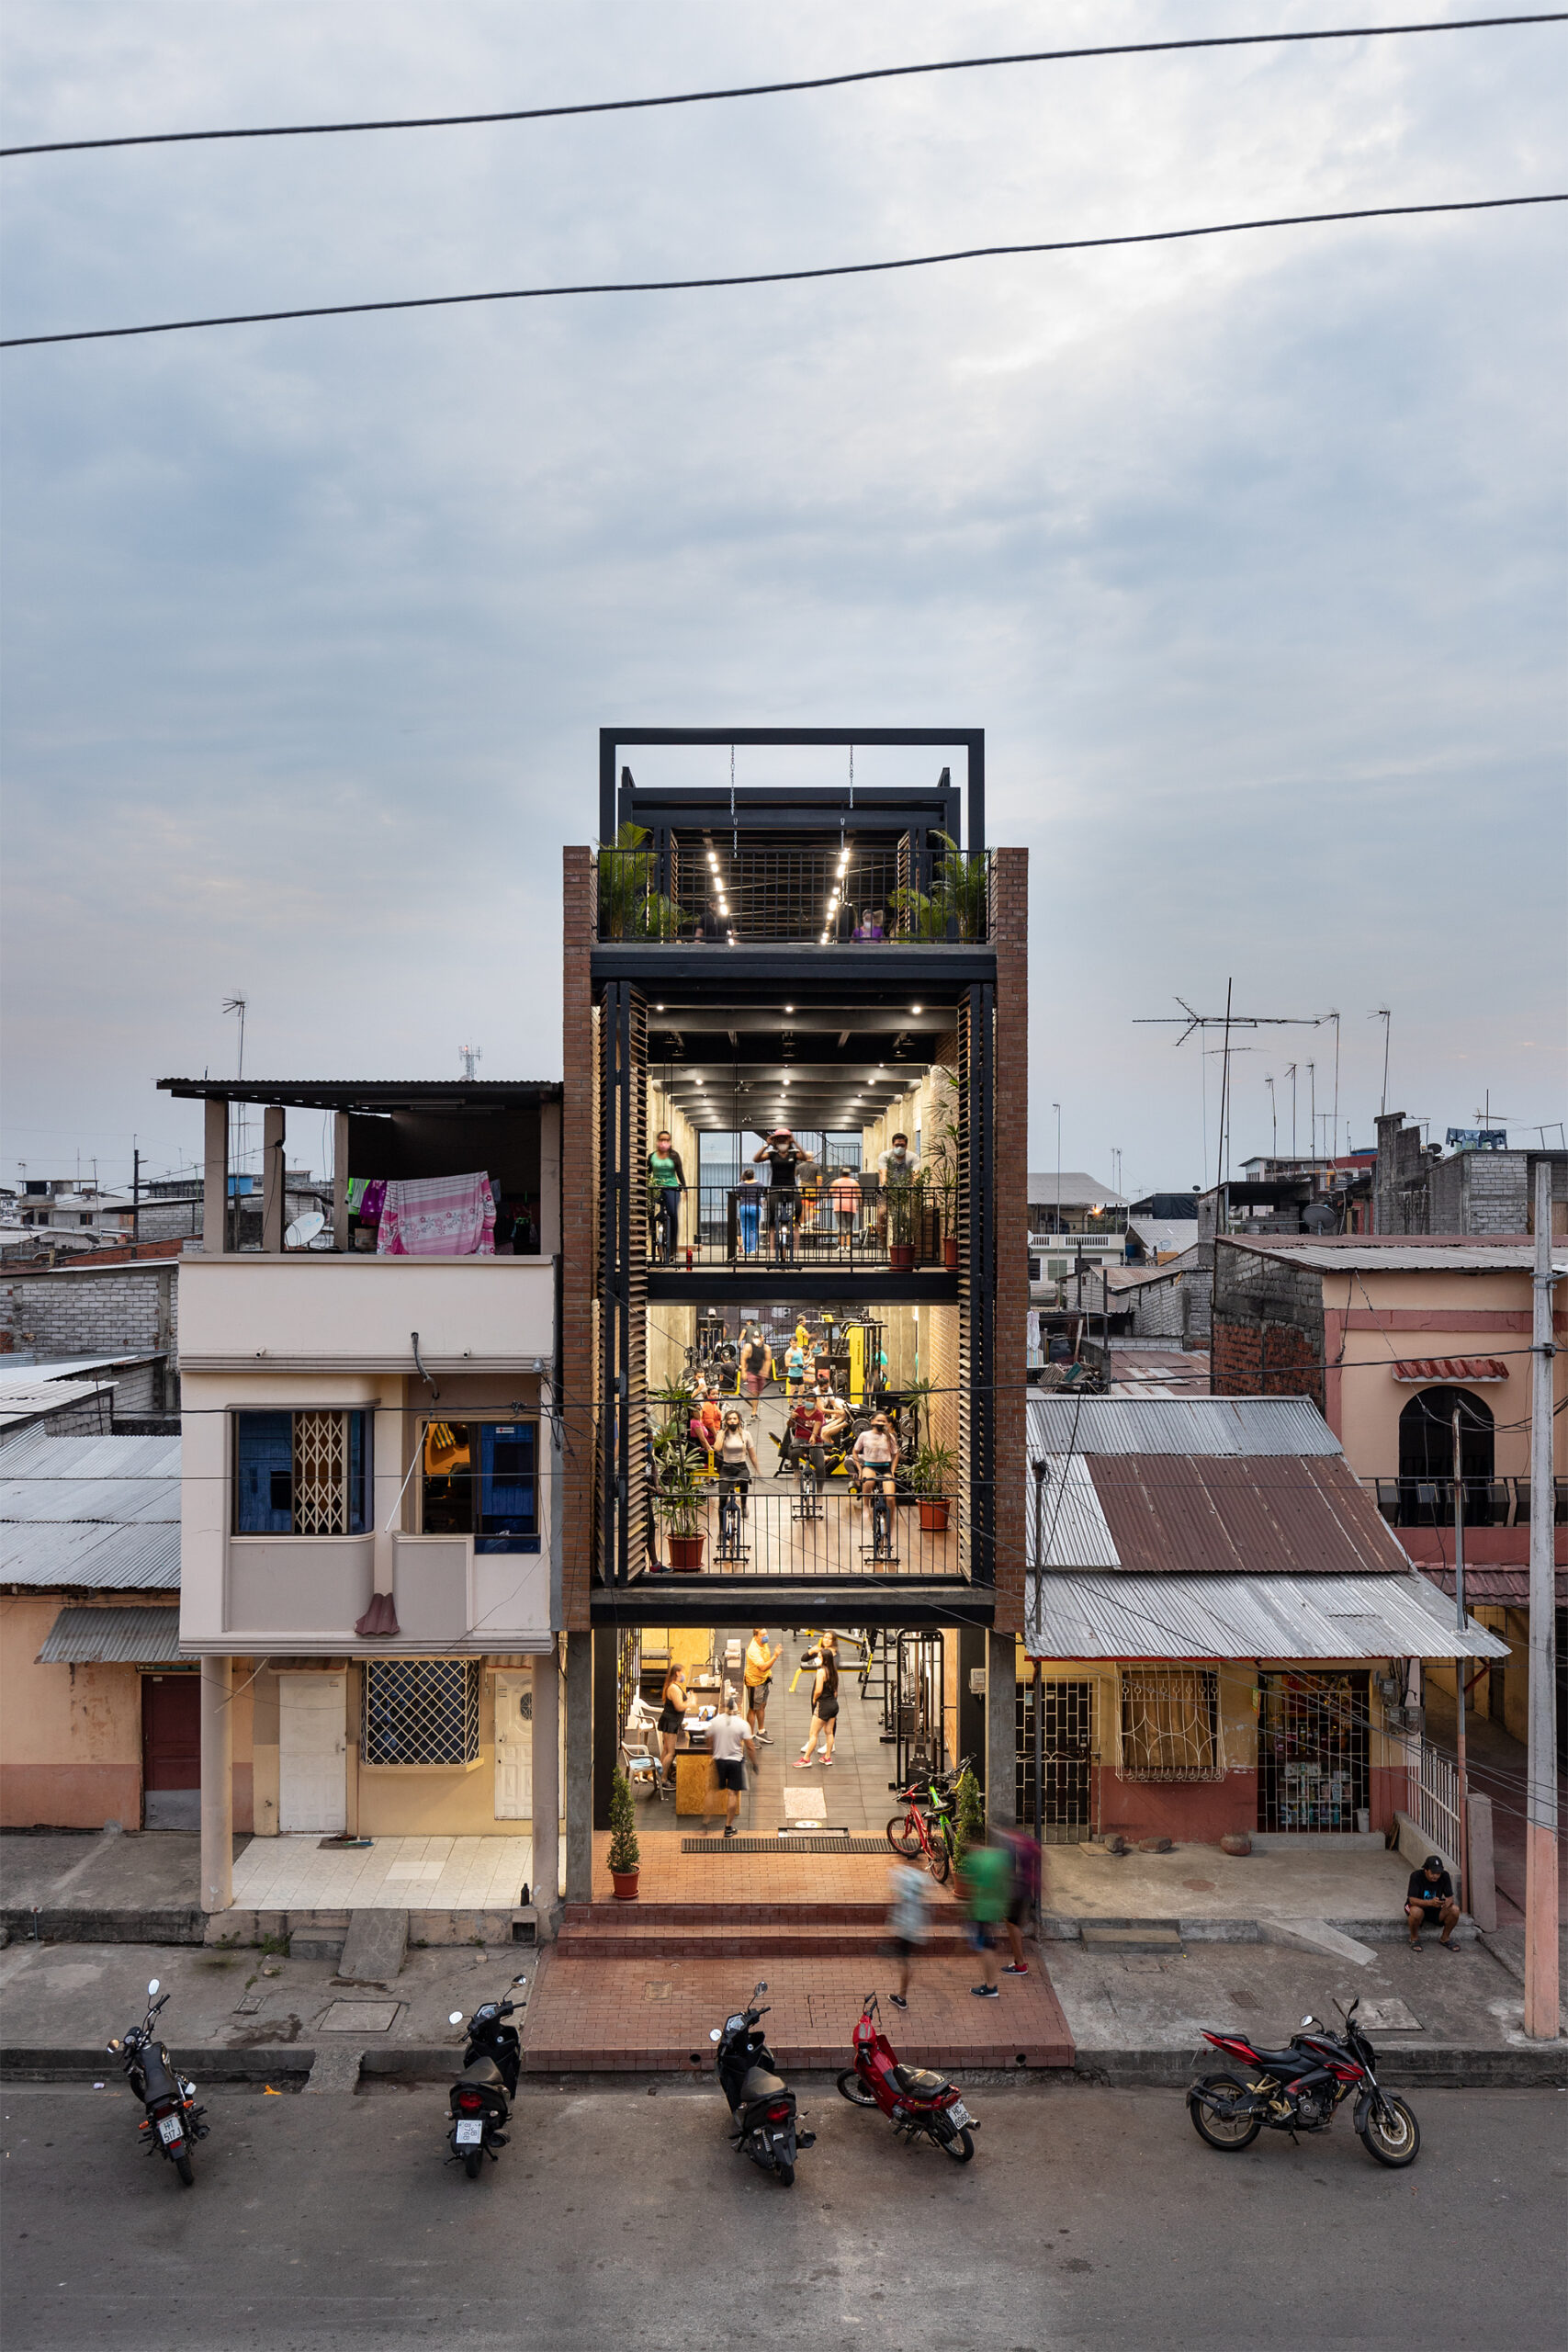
<point x="1429" y="1901"/>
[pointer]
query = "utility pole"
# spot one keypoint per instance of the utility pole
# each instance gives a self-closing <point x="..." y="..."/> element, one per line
<point x="1290" y="1074"/>
<point x="1462" y="1858"/>
<point x="1386" y="1017"/>
<point x="135" y="1198"/>
<point x="1541" y="1765"/>
<point x="1273" y="1121"/>
<point x="1312" y="1097"/>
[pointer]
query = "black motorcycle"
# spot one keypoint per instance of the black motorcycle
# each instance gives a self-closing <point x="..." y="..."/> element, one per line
<point x="1299" y="2089"/>
<point x="762" y="2106"/>
<point x="482" y="2097"/>
<point x="172" y="2121"/>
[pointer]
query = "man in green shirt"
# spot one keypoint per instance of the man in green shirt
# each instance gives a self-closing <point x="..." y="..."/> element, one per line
<point x="986" y="1876"/>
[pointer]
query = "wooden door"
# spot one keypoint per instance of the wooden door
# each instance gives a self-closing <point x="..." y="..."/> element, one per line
<point x="514" y="1745"/>
<point x="171" y="1751"/>
<point x="312" y="1746"/>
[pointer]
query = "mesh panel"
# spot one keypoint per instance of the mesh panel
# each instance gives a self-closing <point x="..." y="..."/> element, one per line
<point x="321" y="1474"/>
<point x="421" y="1710"/>
<point x="1170" y="1726"/>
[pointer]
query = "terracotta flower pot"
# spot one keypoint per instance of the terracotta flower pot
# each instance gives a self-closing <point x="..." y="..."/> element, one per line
<point x="901" y="1256"/>
<point x="625" y="1884"/>
<point x="686" y="1553"/>
<point x="950" y="1252"/>
<point x="933" y="1514"/>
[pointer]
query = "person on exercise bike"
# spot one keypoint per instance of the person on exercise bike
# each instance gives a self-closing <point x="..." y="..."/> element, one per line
<point x="875" y="1457"/>
<point x="838" y="1432"/>
<point x="736" y="1455"/>
<point x="805" y="1425"/>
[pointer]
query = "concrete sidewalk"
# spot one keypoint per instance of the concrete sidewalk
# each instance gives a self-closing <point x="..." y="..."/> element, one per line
<point x="131" y="1887"/>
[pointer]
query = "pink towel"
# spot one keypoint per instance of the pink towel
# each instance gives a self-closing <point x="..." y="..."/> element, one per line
<point x="437" y="1216"/>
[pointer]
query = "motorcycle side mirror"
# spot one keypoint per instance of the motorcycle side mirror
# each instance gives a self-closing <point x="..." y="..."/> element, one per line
<point x="1307" y="2020"/>
<point x="152" y="1988"/>
<point x="712" y="2033"/>
<point x="455" y="2017"/>
<point x="763" y="1984"/>
<point x="520" y="1980"/>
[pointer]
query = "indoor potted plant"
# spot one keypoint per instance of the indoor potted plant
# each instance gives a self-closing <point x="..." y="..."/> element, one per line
<point x="903" y="1213"/>
<point x="970" y="1808"/>
<point x="625" y="1853"/>
<point x="677" y="1498"/>
<point x="933" y="1473"/>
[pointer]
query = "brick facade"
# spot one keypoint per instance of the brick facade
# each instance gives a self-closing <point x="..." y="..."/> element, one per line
<point x="1267" y="1337"/>
<point x="1009" y="934"/>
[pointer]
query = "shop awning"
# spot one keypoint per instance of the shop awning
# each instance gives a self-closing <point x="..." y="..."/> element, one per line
<point x="1122" y="1615"/>
<point x="1465" y="1371"/>
<point x="113" y="1637"/>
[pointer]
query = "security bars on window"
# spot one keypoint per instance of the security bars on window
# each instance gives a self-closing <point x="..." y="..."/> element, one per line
<point x="321" y="1474"/>
<point x="1170" y="1726"/>
<point x="421" y="1710"/>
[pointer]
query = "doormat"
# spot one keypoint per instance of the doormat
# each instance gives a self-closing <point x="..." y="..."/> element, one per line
<point x="802" y="1842"/>
<point x="341" y="1845"/>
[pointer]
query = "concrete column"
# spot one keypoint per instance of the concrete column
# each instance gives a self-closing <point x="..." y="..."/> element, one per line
<point x="389" y="1438"/>
<point x="1481" y="1894"/>
<point x="340" y="1172"/>
<point x="579" y="1767"/>
<point x="274" y="1124"/>
<point x="217" y="1784"/>
<point x="550" y="1180"/>
<point x="215" y="1179"/>
<point x="1002" y="1731"/>
<point x="547" y="1789"/>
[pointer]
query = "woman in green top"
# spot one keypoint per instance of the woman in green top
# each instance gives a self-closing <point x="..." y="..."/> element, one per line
<point x="666" y="1183"/>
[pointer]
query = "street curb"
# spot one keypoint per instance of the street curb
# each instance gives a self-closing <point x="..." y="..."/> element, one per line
<point x="1453" y="2067"/>
<point x="285" y="2066"/>
<point x="1267" y="1927"/>
<point x="182" y="1924"/>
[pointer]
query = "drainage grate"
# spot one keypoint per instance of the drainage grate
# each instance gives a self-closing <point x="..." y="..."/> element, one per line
<point x="797" y="1843"/>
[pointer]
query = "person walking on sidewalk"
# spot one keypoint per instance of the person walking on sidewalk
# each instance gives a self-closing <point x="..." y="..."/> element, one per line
<point x="824" y="1703"/>
<point x="729" y="1743"/>
<point x="761" y="1659"/>
<point x="986" y="1876"/>
<point x="1429" y="1901"/>
<point x="907" y="1923"/>
<point x="1025" y="1899"/>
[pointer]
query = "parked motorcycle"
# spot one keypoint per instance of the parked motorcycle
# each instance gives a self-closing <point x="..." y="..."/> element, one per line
<point x="763" y="2107"/>
<point x="173" y="2120"/>
<point x="480" y="2097"/>
<point x="914" y="2101"/>
<point x="1300" y="2088"/>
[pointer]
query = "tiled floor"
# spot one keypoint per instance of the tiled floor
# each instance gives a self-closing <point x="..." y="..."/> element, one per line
<point x="657" y="2012"/>
<point x="392" y="1875"/>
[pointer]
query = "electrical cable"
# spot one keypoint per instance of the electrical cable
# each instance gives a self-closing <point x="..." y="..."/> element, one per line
<point x="778" y="89"/>
<point x="780" y="276"/>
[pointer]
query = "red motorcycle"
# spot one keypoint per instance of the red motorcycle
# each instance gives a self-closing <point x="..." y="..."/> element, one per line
<point x="913" y="2099"/>
<point x="1299" y="2089"/>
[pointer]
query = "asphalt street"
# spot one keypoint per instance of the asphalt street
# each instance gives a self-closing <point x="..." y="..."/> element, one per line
<point x="1088" y="2217"/>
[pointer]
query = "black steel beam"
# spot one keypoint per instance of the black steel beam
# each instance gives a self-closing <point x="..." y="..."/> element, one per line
<point x="789" y="1600"/>
<point x="766" y="975"/>
<point x="798" y="1286"/>
<point x="970" y="740"/>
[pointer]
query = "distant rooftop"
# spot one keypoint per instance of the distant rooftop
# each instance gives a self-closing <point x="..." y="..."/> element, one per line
<point x="369" y="1094"/>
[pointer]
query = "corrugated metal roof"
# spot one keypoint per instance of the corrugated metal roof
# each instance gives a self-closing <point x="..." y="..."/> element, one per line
<point x="33" y="1375"/>
<point x="1467" y="1255"/>
<point x="1078" y="1189"/>
<point x="20" y="1405"/>
<point x="112" y="1637"/>
<point x="100" y="1512"/>
<point x="109" y="1558"/>
<point x="1271" y="1425"/>
<point x="1128" y="1616"/>
<point x="1285" y="1516"/>
<point x="1071" y="1529"/>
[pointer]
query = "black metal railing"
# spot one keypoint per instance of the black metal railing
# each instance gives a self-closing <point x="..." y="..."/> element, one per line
<point x="841" y="1224"/>
<point x="777" y="1532"/>
<point x="683" y="892"/>
<point x="1488" y="1502"/>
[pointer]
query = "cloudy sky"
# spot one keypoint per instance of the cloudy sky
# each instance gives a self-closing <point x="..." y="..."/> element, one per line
<point x="1248" y="553"/>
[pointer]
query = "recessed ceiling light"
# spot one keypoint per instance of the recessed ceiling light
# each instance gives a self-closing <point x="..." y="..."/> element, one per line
<point x="916" y="1007"/>
<point x="789" y="1008"/>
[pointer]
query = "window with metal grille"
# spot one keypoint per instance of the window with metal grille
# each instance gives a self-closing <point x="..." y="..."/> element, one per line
<point x="1170" y="1724"/>
<point x="420" y="1710"/>
<point x="1312" y="1750"/>
<point x="300" y="1474"/>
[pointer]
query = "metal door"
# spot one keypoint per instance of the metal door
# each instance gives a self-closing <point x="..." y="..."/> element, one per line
<point x="514" y="1746"/>
<point x="914" y="1704"/>
<point x="312" y="1746"/>
<point x="171" y="1751"/>
<point x="1067" y="1709"/>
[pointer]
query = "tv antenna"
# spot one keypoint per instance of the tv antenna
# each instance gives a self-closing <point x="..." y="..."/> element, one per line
<point x="468" y="1056"/>
<point x="1189" y="1021"/>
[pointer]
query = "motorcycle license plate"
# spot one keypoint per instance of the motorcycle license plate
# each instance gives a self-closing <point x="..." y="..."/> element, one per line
<point x="170" y="2129"/>
<point x="471" y="2135"/>
<point x="959" y="2114"/>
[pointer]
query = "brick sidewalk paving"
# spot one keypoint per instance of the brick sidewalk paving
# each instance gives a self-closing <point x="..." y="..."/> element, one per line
<point x="667" y="1875"/>
<point x="652" y="2012"/>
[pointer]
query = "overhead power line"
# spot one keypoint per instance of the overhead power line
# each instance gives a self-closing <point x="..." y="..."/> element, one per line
<point x="779" y="89"/>
<point x="776" y="276"/>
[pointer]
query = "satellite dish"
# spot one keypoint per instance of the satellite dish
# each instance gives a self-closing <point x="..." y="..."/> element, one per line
<point x="303" y="1230"/>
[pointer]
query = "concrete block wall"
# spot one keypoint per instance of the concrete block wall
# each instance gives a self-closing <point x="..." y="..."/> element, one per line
<point x="1268" y="1335"/>
<point x="129" y="1310"/>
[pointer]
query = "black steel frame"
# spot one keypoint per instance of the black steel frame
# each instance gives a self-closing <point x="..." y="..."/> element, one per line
<point x="779" y="807"/>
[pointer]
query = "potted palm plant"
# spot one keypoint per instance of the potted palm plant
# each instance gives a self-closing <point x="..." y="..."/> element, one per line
<point x="955" y="907"/>
<point x="631" y="905"/>
<point x="933" y="1474"/>
<point x="903" y="1224"/>
<point x="625" y="1856"/>
<point x="678" y="1499"/>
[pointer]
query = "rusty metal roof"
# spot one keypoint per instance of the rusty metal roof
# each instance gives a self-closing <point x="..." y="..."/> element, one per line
<point x="1209" y="1514"/>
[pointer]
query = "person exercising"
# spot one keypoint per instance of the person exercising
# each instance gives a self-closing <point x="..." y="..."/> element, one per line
<point x="875" y="1457"/>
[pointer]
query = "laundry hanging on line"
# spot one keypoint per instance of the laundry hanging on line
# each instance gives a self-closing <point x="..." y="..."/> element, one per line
<point x="437" y="1216"/>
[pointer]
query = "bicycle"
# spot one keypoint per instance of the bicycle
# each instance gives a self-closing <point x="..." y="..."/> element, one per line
<point x="731" y="1549"/>
<point x="882" y="1551"/>
<point x="915" y="1832"/>
<point x="806" y="1467"/>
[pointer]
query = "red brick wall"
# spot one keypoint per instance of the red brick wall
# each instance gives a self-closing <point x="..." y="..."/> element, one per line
<point x="1266" y="1359"/>
<point x="580" y="1367"/>
<point x="1009" y="934"/>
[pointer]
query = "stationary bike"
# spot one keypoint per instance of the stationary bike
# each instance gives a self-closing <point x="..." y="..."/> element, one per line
<point x="882" y="1554"/>
<point x="731" y="1550"/>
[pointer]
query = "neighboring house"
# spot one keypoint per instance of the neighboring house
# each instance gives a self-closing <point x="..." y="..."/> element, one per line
<point x="368" y="1544"/>
<point x="80" y="1393"/>
<point x="1163" y="1302"/>
<point x="125" y="1313"/>
<point x="1389" y="1336"/>
<point x="1072" y="1218"/>
<point x="1224" y="1619"/>
<point x="1481" y="1188"/>
<point x="99" y="1715"/>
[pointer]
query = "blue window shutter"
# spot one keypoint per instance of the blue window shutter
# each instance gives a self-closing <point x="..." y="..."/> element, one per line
<point x="264" y="1474"/>
<point x="508" y="1487"/>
